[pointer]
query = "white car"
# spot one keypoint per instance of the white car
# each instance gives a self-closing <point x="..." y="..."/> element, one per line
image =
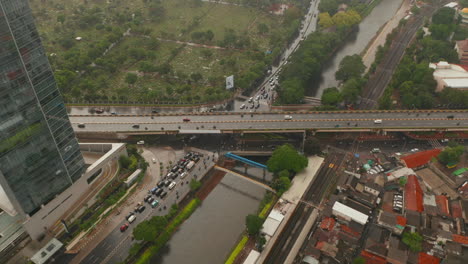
<point x="378" y="121"/>
<point x="153" y="160"/>
<point x="242" y="106"/>
<point x="287" y="117"/>
<point x="414" y="150"/>
<point x="172" y="185"/>
<point x="131" y="219"/>
<point x="141" y="142"/>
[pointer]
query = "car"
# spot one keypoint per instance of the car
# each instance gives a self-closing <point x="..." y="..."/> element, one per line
<point x="250" y="99"/>
<point x="141" y="142"/>
<point x="287" y="117"/>
<point x="257" y="98"/>
<point x="124" y="227"/>
<point x="445" y="140"/>
<point x="378" y="121"/>
<point x="398" y="153"/>
<point x="158" y="192"/>
<point x="415" y="150"/>
<point x="257" y="106"/>
<point x="113" y="113"/>
<point x="163" y="194"/>
<point x="175" y="168"/>
<point x="160" y="184"/>
<point x="242" y="106"/>
<point x="154" y="203"/>
<point x="147" y="198"/>
<point x="186" y="119"/>
<point x="167" y="183"/>
<point x="99" y="111"/>
<point x="154" y="111"/>
<point x="81" y="125"/>
<point x="131" y="219"/>
<point x="153" y="191"/>
<point x="130" y="215"/>
<point x="136" y="126"/>
<point x="172" y="185"/>
<point x="153" y="160"/>
<point x="252" y="106"/>
<point x="183" y="175"/>
<point x="150" y="200"/>
<point x="141" y="209"/>
<point x="450" y="116"/>
<point x="375" y="150"/>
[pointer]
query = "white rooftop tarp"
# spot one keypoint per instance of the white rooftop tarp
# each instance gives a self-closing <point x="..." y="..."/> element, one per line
<point x="350" y="212"/>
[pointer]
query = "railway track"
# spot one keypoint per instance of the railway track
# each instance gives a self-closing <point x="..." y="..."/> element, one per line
<point x="376" y="85"/>
<point x="311" y="198"/>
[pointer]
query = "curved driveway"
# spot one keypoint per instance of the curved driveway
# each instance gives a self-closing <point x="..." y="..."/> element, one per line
<point x="213" y="123"/>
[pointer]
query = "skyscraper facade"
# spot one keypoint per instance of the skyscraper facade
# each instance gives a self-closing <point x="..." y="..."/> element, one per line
<point x="39" y="154"/>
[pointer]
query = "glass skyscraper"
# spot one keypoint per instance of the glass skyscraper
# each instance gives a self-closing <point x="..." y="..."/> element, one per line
<point x="39" y="154"/>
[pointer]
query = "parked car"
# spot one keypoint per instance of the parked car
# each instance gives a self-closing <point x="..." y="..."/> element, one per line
<point x="130" y="215"/>
<point x="153" y="160"/>
<point x="158" y="192"/>
<point x="147" y="198"/>
<point x="141" y="142"/>
<point x="186" y="119"/>
<point x="81" y="125"/>
<point x="136" y="126"/>
<point x="167" y="183"/>
<point x="131" y="219"/>
<point x="141" y="208"/>
<point x="242" y="106"/>
<point x="154" y="203"/>
<point x="183" y="175"/>
<point x="163" y="194"/>
<point x="150" y="200"/>
<point x="161" y="184"/>
<point x="172" y="185"/>
<point x="124" y="227"/>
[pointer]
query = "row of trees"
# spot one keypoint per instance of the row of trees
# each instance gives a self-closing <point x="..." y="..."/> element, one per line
<point x="342" y="19"/>
<point x="413" y="80"/>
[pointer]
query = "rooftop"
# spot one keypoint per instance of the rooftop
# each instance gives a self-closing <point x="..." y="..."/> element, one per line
<point x="460" y="239"/>
<point x="327" y="223"/>
<point x="413" y="195"/>
<point x="420" y="158"/>
<point x="442" y="204"/>
<point x="350" y="212"/>
<point x="427" y="259"/>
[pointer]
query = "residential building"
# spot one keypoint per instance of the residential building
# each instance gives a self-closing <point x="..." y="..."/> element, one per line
<point x="347" y="213"/>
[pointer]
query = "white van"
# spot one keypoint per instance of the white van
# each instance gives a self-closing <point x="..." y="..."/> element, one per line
<point x="183" y="175"/>
<point x="287" y="117"/>
<point x="131" y="218"/>
<point x="172" y="185"/>
<point x="378" y="121"/>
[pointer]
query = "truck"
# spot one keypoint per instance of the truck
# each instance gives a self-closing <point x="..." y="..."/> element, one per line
<point x="190" y="165"/>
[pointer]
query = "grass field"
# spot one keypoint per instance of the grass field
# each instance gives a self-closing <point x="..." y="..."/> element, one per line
<point x="101" y="22"/>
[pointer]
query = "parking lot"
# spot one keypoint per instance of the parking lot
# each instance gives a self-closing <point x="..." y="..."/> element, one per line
<point x="155" y="201"/>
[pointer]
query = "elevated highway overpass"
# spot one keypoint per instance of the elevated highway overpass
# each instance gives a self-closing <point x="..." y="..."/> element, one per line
<point x="230" y="122"/>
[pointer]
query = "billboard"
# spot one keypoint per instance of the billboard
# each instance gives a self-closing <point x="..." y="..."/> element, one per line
<point x="230" y="82"/>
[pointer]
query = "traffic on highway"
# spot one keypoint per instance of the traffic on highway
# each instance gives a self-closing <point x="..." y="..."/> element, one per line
<point x="212" y="123"/>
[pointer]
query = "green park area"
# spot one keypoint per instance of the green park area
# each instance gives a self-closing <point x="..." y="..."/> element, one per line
<point x="177" y="51"/>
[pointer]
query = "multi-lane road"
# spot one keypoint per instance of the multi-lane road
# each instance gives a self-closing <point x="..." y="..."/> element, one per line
<point x="198" y="123"/>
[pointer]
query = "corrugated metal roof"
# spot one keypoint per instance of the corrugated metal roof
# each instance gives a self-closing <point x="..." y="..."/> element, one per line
<point x="413" y="195"/>
<point x="420" y="158"/>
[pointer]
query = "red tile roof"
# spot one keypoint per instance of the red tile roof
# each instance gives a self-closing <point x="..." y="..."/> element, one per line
<point x="460" y="239"/>
<point x="427" y="259"/>
<point x="320" y="244"/>
<point x="456" y="209"/>
<point x="348" y="230"/>
<point x="420" y="158"/>
<point x="442" y="204"/>
<point x="401" y="220"/>
<point x="413" y="195"/>
<point x="327" y="223"/>
<point x="372" y="259"/>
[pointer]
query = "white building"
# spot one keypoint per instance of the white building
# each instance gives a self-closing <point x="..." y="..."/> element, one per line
<point x="449" y="75"/>
<point x="347" y="213"/>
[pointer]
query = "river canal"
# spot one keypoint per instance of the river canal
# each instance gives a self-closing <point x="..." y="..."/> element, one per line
<point x="209" y="235"/>
<point x="356" y="43"/>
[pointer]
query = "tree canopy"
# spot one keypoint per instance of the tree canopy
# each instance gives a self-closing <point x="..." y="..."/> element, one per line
<point x="444" y="15"/>
<point x="451" y="154"/>
<point x="350" y="67"/>
<point x="413" y="241"/>
<point x="286" y="158"/>
<point x="331" y="96"/>
<point x="254" y="224"/>
<point x="148" y="230"/>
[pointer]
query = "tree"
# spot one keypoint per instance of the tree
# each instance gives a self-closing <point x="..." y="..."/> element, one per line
<point x="444" y="15"/>
<point x="286" y="158"/>
<point x="196" y="76"/>
<point x="61" y="18"/>
<point x="346" y="19"/>
<point x="195" y="185"/>
<point x="124" y="161"/>
<point x="325" y="20"/>
<point x="262" y="28"/>
<point x="413" y="241"/>
<point x="312" y="146"/>
<point x="350" y="67"/>
<point x="282" y="184"/>
<point x="254" y="224"/>
<point x="351" y="90"/>
<point x="331" y="96"/>
<point x="292" y="14"/>
<point x="291" y="91"/>
<point x="359" y="260"/>
<point x="131" y="78"/>
<point x="402" y="181"/>
<point x="451" y="154"/>
<point x="148" y="230"/>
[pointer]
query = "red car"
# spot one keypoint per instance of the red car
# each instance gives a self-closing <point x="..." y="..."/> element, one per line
<point x="186" y="120"/>
<point x="124" y="227"/>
